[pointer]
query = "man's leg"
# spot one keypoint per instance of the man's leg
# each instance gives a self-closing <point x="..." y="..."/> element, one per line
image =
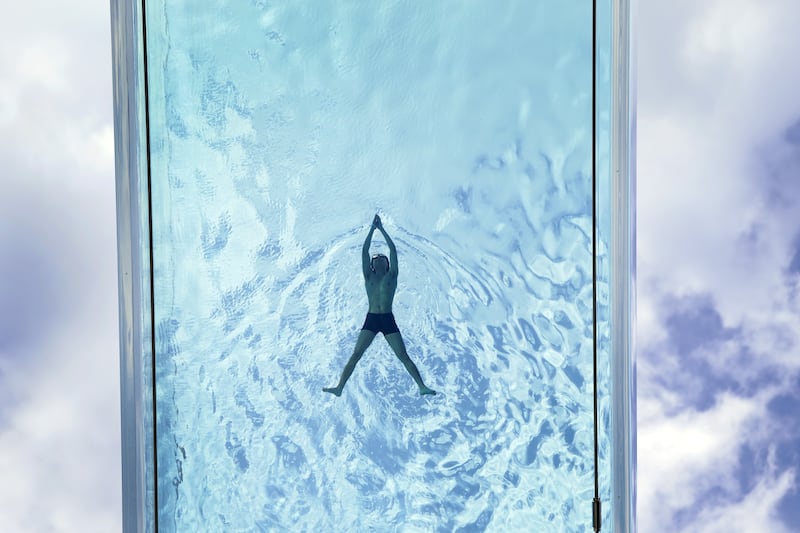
<point x="395" y="340"/>
<point x="363" y="342"/>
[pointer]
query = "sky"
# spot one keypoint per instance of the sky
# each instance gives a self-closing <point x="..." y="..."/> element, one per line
<point x="718" y="236"/>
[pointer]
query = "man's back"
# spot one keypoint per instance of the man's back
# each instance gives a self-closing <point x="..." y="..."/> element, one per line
<point x="380" y="291"/>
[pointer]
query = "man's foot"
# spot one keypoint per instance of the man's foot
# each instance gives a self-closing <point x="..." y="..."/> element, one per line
<point x="425" y="390"/>
<point x="333" y="390"/>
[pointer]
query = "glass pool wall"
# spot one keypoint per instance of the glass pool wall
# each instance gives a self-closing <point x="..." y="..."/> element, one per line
<point x="275" y="131"/>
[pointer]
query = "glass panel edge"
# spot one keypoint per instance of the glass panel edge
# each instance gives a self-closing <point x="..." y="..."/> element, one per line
<point x="133" y="274"/>
<point x="623" y="220"/>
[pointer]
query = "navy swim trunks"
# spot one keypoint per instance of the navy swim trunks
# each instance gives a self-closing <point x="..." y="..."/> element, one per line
<point x="381" y="322"/>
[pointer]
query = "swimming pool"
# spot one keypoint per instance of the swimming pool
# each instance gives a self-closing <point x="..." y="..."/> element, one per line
<point x="255" y="143"/>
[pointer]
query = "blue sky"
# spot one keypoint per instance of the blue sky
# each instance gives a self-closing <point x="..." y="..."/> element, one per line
<point x="719" y="268"/>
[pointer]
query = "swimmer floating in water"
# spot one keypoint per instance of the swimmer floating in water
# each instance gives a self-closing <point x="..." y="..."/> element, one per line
<point x="380" y="279"/>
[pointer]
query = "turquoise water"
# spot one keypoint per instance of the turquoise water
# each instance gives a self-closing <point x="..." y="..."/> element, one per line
<point x="277" y="131"/>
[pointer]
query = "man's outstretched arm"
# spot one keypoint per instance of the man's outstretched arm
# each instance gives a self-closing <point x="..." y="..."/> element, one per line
<point x="365" y="253"/>
<point x="392" y="252"/>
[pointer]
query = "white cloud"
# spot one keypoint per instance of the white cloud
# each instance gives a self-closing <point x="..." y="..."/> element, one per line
<point x="715" y="95"/>
<point x="56" y="86"/>
<point x="59" y="443"/>
<point x="706" y="224"/>
<point x="755" y="512"/>
<point x="687" y="455"/>
<point x="59" y="379"/>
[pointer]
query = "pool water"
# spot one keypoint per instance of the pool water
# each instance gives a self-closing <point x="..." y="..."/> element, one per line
<point x="277" y="131"/>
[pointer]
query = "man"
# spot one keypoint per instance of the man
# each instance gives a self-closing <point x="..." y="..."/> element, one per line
<point x="380" y="279"/>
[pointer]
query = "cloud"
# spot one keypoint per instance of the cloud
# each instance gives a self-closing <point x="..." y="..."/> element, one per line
<point x="59" y="443"/>
<point x="56" y="88"/>
<point x="718" y="232"/>
<point x="59" y="370"/>
<point x="691" y="462"/>
<point x="754" y="512"/>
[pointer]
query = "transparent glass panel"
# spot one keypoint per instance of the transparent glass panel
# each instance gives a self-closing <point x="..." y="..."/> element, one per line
<point x="277" y="130"/>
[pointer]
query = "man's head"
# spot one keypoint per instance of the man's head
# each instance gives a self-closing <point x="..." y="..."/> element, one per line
<point x="379" y="264"/>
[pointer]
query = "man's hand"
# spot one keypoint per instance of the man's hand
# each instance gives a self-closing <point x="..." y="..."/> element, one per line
<point x="376" y="222"/>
